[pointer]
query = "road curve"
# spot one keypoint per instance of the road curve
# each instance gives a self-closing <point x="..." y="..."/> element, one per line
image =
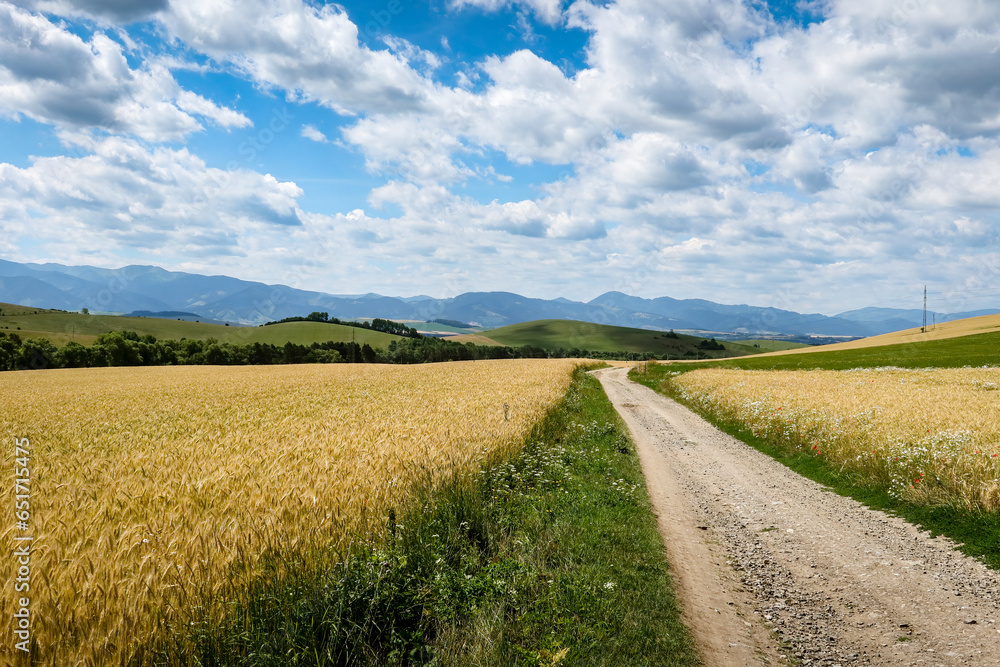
<point x="772" y="568"/>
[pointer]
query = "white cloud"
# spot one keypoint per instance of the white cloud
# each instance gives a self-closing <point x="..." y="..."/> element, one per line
<point x="104" y="11"/>
<point x="54" y="76"/>
<point x="881" y="66"/>
<point x="549" y="11"/>
<point x="419" y="148"/>
<point x="311" y="133"/>
<point x="122" y="197"/>
<point x="310" y="52"/>
<point x="199" y="106"/>
<point x="412" y="53"/>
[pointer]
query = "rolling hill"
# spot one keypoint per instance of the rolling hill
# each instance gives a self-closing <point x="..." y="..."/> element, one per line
<point x="570" y="334"/>
<point x="61" y="327"/>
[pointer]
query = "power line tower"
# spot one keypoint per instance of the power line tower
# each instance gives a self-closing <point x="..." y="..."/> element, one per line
<point x="923" y="328"/>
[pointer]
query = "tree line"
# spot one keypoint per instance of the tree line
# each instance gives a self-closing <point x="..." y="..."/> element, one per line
<point x="127" y="348"/>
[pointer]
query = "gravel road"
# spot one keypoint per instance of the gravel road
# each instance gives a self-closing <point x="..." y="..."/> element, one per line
<point x="775" y="569"/>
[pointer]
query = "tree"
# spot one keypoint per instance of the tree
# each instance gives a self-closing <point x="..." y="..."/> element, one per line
<point x="120" y="347"/>
<point x="368" y="354"/>
<point x="216" y="355"/>
<point x="711" y="345"/>
<point x="35" y="354"/>
<point x="293" y="354"/>
<point x="73" y="355"/>
<point x="320" y="356"/>
<point x="10" y="344"/>
<point x="85" y="311"/>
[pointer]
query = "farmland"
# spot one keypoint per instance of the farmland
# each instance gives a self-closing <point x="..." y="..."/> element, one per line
<point x="929" y="436"/>
<point x="156" y="489"/>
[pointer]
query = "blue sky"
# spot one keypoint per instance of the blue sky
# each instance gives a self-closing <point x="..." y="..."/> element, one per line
<point x="815" y="155"/>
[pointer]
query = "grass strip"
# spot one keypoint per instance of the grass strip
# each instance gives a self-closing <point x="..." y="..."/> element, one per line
<point x="551" y="558"/>
<point x="976" y="533"/>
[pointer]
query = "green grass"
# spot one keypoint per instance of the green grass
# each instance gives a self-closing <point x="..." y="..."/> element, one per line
<point x="61" y="328"/>
<point x="552" y="557"/>
<point x="306" y="333"/>
<point x="15" y="309"/>
<point x="977" y="533"/>
<point x="768" y="345"/>
<point x="974" y="350"/>
<point x="570" y="334"/>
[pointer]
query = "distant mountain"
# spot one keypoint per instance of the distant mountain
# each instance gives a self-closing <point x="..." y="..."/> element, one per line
<point x="708" y="315"/>
<point x="895" y="319"/>
<point x="222" y="298"/>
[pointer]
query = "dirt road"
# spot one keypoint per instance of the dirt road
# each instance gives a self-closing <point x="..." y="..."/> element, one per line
<point x="774" y="569"/>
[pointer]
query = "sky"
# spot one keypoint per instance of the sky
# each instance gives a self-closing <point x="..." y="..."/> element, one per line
<point x="818" y="155"/>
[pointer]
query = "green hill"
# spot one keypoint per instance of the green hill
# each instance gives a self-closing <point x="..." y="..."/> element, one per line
<point x="15" y="309"/>
<point x="61" y="327"/>
<point x="570" y="334"/>
<point x="768" y="345"/>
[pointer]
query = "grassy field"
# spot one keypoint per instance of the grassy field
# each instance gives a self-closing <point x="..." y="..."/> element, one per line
<point x="570" y="334"/>
<point x="768" y="345"/>
<point x="15" y="309"/>
<point x="60" y="328"/>
<point x="156" y="492"/>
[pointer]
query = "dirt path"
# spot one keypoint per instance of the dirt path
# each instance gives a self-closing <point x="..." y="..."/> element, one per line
<point x="774" y="569"/>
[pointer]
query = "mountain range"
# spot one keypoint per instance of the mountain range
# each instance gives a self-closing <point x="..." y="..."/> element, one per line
<point x="153" y="289"/>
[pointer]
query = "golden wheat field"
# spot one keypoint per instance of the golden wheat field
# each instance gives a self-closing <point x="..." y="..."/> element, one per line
<point x="928" y="435"/>
<point x="149" y="484"/>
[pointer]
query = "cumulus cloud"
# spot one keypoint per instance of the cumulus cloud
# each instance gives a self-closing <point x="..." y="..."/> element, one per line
<point x="54" y="76"/>
<point x="124" y="196"/>
<point x="874" y="67"/>
<point x="310" y="52"/>
<point x="311" y="133"/>
<point x="639" y="79"/>
<point x="125" y="11"/>
<point x="549" y="11"/>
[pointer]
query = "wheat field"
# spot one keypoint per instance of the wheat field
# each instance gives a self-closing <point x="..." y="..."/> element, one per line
<point x="150" y="485"/>
<point x="928" y="435"/>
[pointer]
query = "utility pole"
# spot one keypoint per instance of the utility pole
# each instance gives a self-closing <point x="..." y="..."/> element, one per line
<point x="924" y="327"/>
